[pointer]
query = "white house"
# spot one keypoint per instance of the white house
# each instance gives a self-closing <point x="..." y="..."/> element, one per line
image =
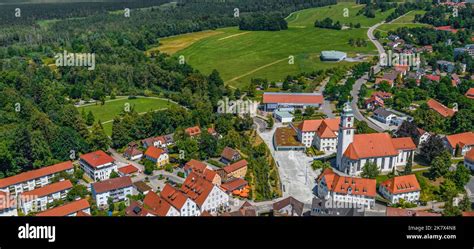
<point x="38" y="199"/>
<point x="424" y="136"/>
<point x="321" y="133"/>
<point x="401" y="187"/>
<point x="73" y="208"/>
<point x="465" y="142"/>
<point x="207" y="196"/>
<point x="116" y="188"/>
<point x="469" y="159"/>
<point x="354" y="192"/>
<point x="354" y="151"/>
<point x="384" y="116"/>
<point x="33" y="179"/>
<point x="157" y="206"/>
<point x="97" y="165"/>
<point x="184" y="204"/>
<point x="283" y="116"/>
<point x="157" y="155"/>
<point x="7" y="205"/>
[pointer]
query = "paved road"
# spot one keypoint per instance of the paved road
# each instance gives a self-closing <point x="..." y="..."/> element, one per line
<point x="327" y="107"/>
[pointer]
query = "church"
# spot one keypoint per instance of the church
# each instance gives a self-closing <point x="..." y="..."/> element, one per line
<point x="355" y="150"/>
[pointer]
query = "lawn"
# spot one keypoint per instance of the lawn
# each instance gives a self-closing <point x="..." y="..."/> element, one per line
<point x="404" y="21"/>
<point x="106" y="113"/>
<point x="242" y="55"/>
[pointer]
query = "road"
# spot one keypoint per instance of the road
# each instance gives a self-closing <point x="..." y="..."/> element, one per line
<point x="327" y="107"/>
<point x="357" y="85"/>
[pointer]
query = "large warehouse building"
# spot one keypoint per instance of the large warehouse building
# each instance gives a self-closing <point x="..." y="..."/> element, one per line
<point x="291" y="101"/>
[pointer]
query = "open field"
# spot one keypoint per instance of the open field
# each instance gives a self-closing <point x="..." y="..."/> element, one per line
<point x="405" y="21"/>
<point x="106" y="113"/>
<point x="242" y="55"/>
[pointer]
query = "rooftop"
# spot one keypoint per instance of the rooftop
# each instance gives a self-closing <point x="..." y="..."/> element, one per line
<point x="293" y="98"/>
<point x="49" y="189"/>
<point x="66" y="209"/>
<point x="440" y="108"/>
<point x="97" y="158"/>
<point x="34" y="174"/>
<point x="402" y="184"/>
<point x="348" y="185"/>
<point x="112" y="184"/>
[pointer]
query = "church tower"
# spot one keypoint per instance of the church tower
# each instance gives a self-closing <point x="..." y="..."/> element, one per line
<point x="346" y="133"/>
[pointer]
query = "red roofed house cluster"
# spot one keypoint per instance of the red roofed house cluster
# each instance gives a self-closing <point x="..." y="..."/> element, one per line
<point x="354" y="151"/>
<point x="322" y="133"/>
<point x="463" y="142"/>
<point x="401" y="187"/>
<point x="38" y="199"/>
<point x="203" y="170"/>
<point x="97" y="165"/>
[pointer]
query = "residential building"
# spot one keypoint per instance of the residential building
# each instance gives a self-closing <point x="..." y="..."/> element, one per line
<point x="384" y="116"/>
<point x="470" y="93"/>
<point x="272" y="101"/>
<point x="157" y="156"/>
<point x="8" y="205"/>
<point x="234" y="184"/>
<point x="333" y="55"/>
<point x="207" y="196"/>
<point x="449" y="67"/>
<point x="432" y="77"/>
<point x="158" y="142"/>
<point x="127" y="170"/>
<point x="447" y="29"/>
<point x="465" y="142"/>
<point x="401" y="187"/>
<point x="68" y="209"/>
<point x="322" y="207"/>
<point x="97" y="165"/>
<point x="136" y="209"/>
<point x="469" y="159"/>
<point x="116" y="188"/>
<point x="133" y="153"/>
<point x="388" y="77"/>
<point x="373" y="102"/>
<point x="142" y="187"/>
<point x="193" y="131"/>
<point x="229" y="155"/>
<point x="288" y="207"/>
<point x="157" y="206"/>
<point x="321" y="133"/>
<point x="423" y="136"/>
<point x="400" y="212"/>
<point x="354" y="192"/>
<point x="38" y="199"/>
<point x="180" y="201"/>
<point x="441" y="109"/>
<point x="33" y="179"/>
<point x="246" y="209"/>
<point x="203" y="170"/>
<point x="236" y="170"/>
<point x="354" y="151"/>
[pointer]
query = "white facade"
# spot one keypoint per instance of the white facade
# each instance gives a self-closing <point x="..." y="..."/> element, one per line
<point x="31" y="184"/>
<point x="345" y="135"/>
<point x="217" y="198"/>
<point x="41" y="203"/>
<point x="412" y="196"/>
<point x="355" y="200"/>
<point x="423" y="138"/>
<point x="190" y="208"/>
<point x="469" y="164"/>
<point x="355" y="167"/>
<point x="11" y="211"/>
<point x="311" y="138"/>
<point x="117" y="195"/>
<point x="99" y="173"/>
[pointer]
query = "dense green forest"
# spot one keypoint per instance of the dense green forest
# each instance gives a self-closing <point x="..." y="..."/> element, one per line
<point x="268" y="22"/>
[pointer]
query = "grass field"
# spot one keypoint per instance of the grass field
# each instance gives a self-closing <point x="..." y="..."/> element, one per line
<point x="242" y="55"/>
<point x="404" y="21"/>
<point x="106" y="113"/>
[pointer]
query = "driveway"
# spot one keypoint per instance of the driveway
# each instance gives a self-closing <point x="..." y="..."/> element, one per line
<point x="327" y="108"/>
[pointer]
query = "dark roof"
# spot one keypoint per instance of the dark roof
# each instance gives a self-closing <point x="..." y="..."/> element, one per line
<point x="297" y="206"/>
<point x="383" y="112"/>
<point x="142" y="186"/>
<point x="112" y="184"/>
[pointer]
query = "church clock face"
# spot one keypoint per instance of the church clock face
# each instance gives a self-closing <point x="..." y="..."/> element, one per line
<point x="349" y="119"/>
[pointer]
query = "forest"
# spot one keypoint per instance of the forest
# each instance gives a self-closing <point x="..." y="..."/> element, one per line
<point x="263" y="22"/>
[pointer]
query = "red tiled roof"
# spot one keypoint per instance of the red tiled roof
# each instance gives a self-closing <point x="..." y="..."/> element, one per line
<point x="132" y="151"/>
<point x="470" y="155"/>
<point x="173" y="196"/>
<point x="433" y="77"/>
<point x="382" y="95"/>
<point x="468" y="213"/>
<point x="235" y="166"/>
<point x="154" y="152"/>
<point x="49" y="189"/>
<point x="211" y="130"/>
<point x="228" y="153"/>
<point x="197" y="188"/>
<point x="440" y="108"/>
<point x="82" y="214"/>
<point x="324" y="131"/>
<point x="97" y="158"/>
<point x="193" y="131"/>
<point x="112" y="184"/>
<point x="155" y="204"/>
<point x="371" y="145"/>
<point x="402" y="184"/>
<point x="470" y="93"/>
<point x="391" y="211"/>
<point x="201" y="169"/>
<point x="293" y="98"/>
<point x="446" y="28"/>
<point x="341" y="184"/>
<point x="129" y="169"/>
<point x="236" y="183"/>
<point x="463" y="139"/>
<point x="313" y="125"/>
<point x="403" y="143"/>
<point x="66" y="209"/>
<point x="34" y="174"/>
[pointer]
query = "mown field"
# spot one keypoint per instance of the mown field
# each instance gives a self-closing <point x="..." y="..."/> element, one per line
<point x="404" y="21"/>
<point x="106" y="113"/>
<point x="242" y="55"/>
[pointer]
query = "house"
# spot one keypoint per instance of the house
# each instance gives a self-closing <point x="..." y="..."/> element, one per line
<point x="469" y="159"/>
<point x="449" y="67"/>
<point x="207" y="196"/>
<point x="97" y="165"/>
<point x="142" y="187"/>
<point x="345" y="189"/>
<point x="133" y="153"/>
<point x="470" y="93"/>
<point x="157" y="206"/>
<point x="193" y="131"/>
<point x="401" y="187"/>
<point x="234" y="184"/>
<point x="180" y="201"/>
<point x="272" y="100"/>
<point x="68" y="209"/>
<point x="321" y="133"/>
<point x="455" y="80"/>
<point x="203" y="170"/>
<point x="373" y="102"/>
<point x="447" y="29"/>
<point x="38" y="199"/>
<point x="7" y="205"/>
<point x="229" y="155"/>
<point x="399" y="212"/>
<point x="468" y="49"/>
<point x="441" y="109"/>
<point x="127" y="170"/>
<point x="402" y="69"/>
<point x="393" y="37"/>
<point x="388" y="77"/>
<point x="246" y="209"/>
<point x="321" y="207"/>
<point x="158" y="142"/>
<point x="432" y="77"/>
<point x="384" y="116"/>
<point x="288" y="207"/>
<point x="283" y="116"/>
<point x="235" y="170"/>
<point x="354" y="151"/>
<point x="136" y="209"/>
<point x="116" y="188"/>
<point x="465" y="142"/>
<point x="422" y="135"/>
<point x="33" y="179"/>
<point x="157" y="155"/>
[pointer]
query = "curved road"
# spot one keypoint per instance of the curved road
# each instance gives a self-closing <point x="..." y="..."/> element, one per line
<point x="356" y="88"/>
